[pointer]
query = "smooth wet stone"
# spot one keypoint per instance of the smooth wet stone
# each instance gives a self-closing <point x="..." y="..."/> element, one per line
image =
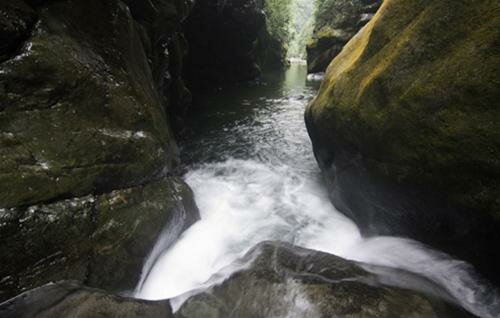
<point x="101" y="240"/>
<point x="69" y="299"/>
<point x="287" y="281"/>
<point x="86" y="148"/>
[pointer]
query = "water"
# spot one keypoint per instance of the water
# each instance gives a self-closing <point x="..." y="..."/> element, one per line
<point x="251" y="167"/>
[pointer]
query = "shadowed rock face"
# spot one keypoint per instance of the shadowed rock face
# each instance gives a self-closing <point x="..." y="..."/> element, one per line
<point x="287" y="281"/>
<point x="222" y="37"/>
<point x="405" y="128"/>
<point x="85" y="145"/>
<point x="68" y="299"/>
<point x="337" y="21"/>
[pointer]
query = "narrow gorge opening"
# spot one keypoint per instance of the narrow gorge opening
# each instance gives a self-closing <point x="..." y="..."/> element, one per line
<point x="250" y="164"/>
<point x="165" y="158"/>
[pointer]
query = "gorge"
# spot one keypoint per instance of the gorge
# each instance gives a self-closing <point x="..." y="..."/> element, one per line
<point x="157" y="151"/>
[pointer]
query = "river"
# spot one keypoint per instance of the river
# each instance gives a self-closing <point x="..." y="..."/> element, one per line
<point x="250" y="164"/>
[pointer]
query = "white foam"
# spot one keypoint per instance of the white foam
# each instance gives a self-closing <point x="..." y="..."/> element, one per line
<point x="277" y="194"/>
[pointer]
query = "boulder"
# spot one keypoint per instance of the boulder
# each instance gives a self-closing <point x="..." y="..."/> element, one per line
<point x="69" y="299"/>
<point x="276" y="280"/>
<point x="336" y="22"/>
<point x="87" y="153"/>
<point x="287" y="281"/>
<point x="405" y="127"/>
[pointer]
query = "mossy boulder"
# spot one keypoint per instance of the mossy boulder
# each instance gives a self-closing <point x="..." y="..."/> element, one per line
<point x="87" y="153"/>
<point x="101" y="240"/>
<point x="413" y="101"/>
<point x="287" y="281"/>
<point x="336" y="22"/>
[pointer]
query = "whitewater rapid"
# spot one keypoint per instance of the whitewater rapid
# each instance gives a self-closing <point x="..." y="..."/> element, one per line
<point x="264" y="184"/>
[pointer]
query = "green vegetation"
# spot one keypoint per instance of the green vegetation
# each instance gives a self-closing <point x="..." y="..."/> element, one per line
<point x="301" y="27"/>
<point x="278" y="16"/>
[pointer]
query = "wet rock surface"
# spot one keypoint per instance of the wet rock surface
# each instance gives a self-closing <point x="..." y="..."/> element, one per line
<point x="101" y="240"/>
<point x="287" y="281"/>
<point x="337" y="21"/>
<point x="69" y="299"/>
<point x="16" y="22"/>
<point x="280" y="280"/>
<point x="86" y="149"/>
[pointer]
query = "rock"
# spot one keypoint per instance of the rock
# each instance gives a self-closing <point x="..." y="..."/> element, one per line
<point x="287" y="281"/>
<point x="16" y="21"/>
<point x="100" y="240"/>
<point x="222" y="37"/>
<point x="337" y="21"/>
<point x="271" y="52"/>
<point x="68" y="299"/>
<point x="87" y="153"/>
<point x="160" y="27"/>
<point x="405" y="127"/>
<point x="273" y="38"/>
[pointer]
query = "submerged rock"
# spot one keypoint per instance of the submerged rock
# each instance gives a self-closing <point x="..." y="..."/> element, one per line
<point x="287" y="281"/>
<point x="68" y="299"/>
<point x="85" y="144"/>
<point x="337" y="21"/>
<point x="405" y="126"/>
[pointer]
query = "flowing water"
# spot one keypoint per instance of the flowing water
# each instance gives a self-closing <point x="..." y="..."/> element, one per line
<point x="251" y="167"/>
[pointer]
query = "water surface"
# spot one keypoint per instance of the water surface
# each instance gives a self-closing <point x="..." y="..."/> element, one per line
<point x="251" y="167"/>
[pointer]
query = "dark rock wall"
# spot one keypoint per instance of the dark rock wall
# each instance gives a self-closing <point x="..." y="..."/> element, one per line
<point x="86" y="92"/>
<point x="337" y="21"/>
<point x="222" y="37"/>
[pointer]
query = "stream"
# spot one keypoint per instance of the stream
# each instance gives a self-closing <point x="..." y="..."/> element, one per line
<point x="250" y="164"/>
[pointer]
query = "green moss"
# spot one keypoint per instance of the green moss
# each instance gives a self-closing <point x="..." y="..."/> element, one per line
<point x="82" y="123"/>
<point x="336" y="21"/>
<point x="102" y="240"/>
<point x="417" y="93"/>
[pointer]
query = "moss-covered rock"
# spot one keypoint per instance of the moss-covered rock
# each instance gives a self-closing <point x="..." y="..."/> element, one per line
<point x="86" y="148"/>
<point x="101" y="240"/>
<point x="69" y="299"/>
<point x="336" y="22"/>
<point x="286" y="281"/>
<point x="414" y="99"/>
